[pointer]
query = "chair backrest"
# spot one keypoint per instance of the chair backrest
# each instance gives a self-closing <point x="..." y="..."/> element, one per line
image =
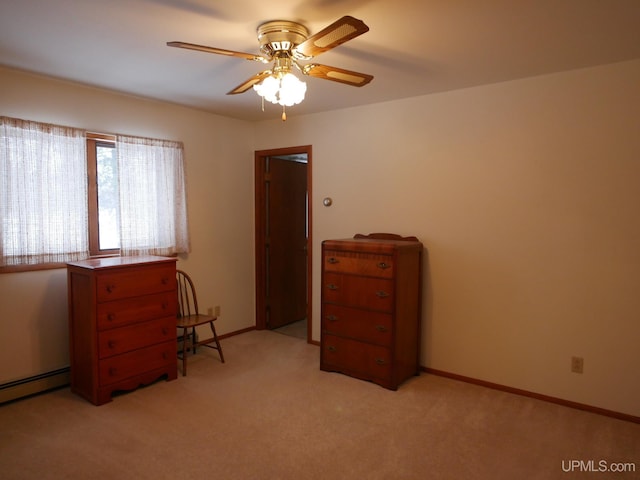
<point x="187" y="300"/>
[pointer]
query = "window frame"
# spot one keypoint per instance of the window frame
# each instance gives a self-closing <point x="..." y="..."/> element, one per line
<point x="95" y="140"/>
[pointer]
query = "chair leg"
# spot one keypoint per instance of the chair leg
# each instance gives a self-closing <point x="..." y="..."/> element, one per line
<point x="215" y="337"/>
<point x="193" y="339"/>
<point x="185" y="340"/>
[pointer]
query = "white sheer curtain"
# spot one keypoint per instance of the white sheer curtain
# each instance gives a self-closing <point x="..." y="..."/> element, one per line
<point x="153" y="209"/>
<point x="43" y="193"/>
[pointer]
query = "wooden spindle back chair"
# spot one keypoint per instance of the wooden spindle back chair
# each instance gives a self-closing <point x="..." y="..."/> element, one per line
<point x="189" y="317"/>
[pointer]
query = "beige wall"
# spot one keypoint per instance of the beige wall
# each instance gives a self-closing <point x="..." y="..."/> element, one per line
<point x="219" y="162"/>
<point x="526" y="196"/>
<point x="524" y="193"/>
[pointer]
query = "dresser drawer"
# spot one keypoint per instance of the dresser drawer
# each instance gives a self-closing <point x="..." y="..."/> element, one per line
<point x="359" y="263"/>
<point x="132" y="282"/>
<point x="120" y="340"/>
<point x="120" y="367"/>
<point x="354" y="291"/>
<point x="374" y="327"/>
<point x="356" y="357"/>
<point x="136" y="309"/>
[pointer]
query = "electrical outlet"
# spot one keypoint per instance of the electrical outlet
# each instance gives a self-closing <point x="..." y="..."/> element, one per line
<point x="210" y="311"/>
<point x="577" y="364"/>
<point x="217" y="311"/>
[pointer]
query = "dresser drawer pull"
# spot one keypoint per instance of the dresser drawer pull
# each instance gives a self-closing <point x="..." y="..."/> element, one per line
<point x="111" y="317"/>
<point x="113" y="371"/>
<point x="111" y="344"/>
<point x="332" y="318"/>
<point x="331" y="348"/>
<point x="165" y="330"/>
<point x="331" y="286"/>
<point x="165" y="306"/>
<point x="110" y="288"/>
<point x="164" y="355"/>
<point x="381" y="328"/>
<point x="381" y="361"/>
<point x="381" y="294"/>
<point x="164" y="280"/>
<point x="333" y="260"/>
<point x="383" y="265"/>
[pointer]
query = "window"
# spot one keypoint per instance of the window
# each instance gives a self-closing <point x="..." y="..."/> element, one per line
<point x="133" y="203"/>
<point x="104" y="201"/>
<point x="108" y="198"/>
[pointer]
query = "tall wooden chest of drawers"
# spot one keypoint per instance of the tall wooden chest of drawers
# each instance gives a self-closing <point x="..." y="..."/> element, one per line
<point x="371" y="308"/>
<point x="122" y="324"/>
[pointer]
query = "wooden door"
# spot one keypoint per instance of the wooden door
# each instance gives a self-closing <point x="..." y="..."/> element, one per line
<point x="282" y="223"/>
<point x="286" y="242"/>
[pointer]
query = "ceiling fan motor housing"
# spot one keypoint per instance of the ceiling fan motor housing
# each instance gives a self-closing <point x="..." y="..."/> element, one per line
<point x="280" y="36"/>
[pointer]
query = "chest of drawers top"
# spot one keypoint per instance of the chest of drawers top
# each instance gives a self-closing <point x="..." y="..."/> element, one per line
<point x="120" y="277"/>
<point x="383" y="247"/>
<point x="114" y="264"/>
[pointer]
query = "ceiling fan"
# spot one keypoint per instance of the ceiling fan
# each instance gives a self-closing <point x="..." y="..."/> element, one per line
<point x="286" y="43"/>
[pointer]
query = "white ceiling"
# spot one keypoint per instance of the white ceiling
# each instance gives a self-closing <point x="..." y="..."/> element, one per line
<point x="414" y="47"/>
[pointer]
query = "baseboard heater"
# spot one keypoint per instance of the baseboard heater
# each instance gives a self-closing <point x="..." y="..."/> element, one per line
<point x="43" y="382"/>
<point x="36" y="384"/>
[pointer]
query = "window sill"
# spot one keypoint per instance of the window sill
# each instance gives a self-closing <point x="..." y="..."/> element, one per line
<point x="31" y="268"/>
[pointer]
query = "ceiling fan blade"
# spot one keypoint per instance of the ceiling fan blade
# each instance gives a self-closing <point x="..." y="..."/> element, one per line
<point x="335" y="34"/>
<point x="341" y="75"/>
<point x="243" y="87"/>
<point x="219" y="51"/>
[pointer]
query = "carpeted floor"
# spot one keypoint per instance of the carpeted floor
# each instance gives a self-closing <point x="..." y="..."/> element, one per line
<point x="296" y="329"/>
<point x="270" y="413"/>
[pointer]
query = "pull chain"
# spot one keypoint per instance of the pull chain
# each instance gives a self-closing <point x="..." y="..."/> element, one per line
<point x="284" y="114"/>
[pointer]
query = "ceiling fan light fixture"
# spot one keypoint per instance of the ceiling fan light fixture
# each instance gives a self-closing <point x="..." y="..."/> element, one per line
<point x="283" y="89"/>
<point x="292" y="90"/>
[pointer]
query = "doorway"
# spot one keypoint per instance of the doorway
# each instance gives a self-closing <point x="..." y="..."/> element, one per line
<point x="283" y="238"/>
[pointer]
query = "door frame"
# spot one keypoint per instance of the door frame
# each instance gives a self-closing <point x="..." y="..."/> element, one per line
<point x="260" y="224"/>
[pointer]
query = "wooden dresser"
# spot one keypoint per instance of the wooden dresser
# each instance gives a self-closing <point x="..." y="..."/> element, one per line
<point x="371" y="308"/>
<point x="122" y="324"/>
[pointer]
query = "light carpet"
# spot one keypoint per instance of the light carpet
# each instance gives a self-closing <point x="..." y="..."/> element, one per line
<point x="270" y="413"/>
